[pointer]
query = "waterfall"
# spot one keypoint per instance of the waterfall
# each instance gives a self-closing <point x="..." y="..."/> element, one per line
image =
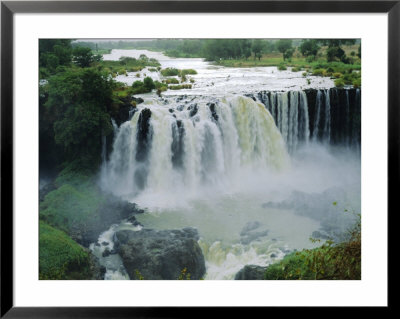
<point x="194" y="143"/>
<point x="327" y="123"/>
<point x="290" y="112"/>
<point x="206" y="141"/>
<point x="317" y="115"/>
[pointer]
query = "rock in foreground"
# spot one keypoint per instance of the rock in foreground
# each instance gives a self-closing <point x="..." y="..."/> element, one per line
<point x="251" y="272"/>
<point x="160" y="255"/>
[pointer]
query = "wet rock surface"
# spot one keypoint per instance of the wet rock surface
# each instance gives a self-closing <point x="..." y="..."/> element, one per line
<point x="251" y="272"/>
<point x="162" y="254"/>
<point x="111" y="212"/>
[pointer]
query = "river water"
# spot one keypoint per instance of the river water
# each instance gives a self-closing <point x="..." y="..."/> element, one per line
<point x="219" y="170"/>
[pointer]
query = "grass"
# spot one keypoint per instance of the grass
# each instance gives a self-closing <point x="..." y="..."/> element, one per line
<point x="61" y="258"/>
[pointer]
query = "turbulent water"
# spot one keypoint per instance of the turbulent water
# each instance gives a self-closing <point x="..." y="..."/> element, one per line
<point x="225" y="163"/>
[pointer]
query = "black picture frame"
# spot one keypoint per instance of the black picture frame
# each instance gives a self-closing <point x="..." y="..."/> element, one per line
<point x="9" y="8"/>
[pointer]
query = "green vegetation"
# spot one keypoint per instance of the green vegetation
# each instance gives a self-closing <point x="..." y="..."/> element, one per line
<point x="171" y="81"/>
<point x="285" y="47"/>
<point x="78" y="104"/>
<point x="127" y="64"/>
<point x="341" y="261"/>
<point x="74" y="203"/>
<point x="146" y="86"/>
<point x="169" y="72"/>
<point x="177" y="72"/>
<point x="282" y="67"/>
<point x="184" y="274"/>
<point x="309" y="49"/>
<point x="60" y="257"/>
<point x="180" y="87"/>
<point x="311" y="54"/>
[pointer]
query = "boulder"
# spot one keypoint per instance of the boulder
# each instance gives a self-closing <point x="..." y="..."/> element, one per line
<point x="251" y="272"/>
<point x="162" y="254"/>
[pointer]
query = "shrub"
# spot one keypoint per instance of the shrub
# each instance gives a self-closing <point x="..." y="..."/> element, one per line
<point x="188" y="71"/>
<point x="282" y="67"/>
<point x="339" y="82"/>
<point x="160" y="86"/>
<point x="337" y="75"/>
<point x="171" y="81"/>
<point x="170" y="72"/>
<point x="149" y="84"/>
<point x="357" y="83"/>
<point x="318" y="72"/>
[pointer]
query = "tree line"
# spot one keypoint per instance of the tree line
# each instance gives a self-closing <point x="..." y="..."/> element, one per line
<point x="228" y="49"/>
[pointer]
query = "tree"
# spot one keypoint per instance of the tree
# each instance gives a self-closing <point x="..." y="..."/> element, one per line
<point x="335" y="51"/>
<point x="83" y="56"/>
<point x="79" y="101"/>
<point x="284" y="45"/>
<point x="309" y="48"/>
<point x="257" y="48"/>
<point x="53" y="53"/>
<point x="149" y="84"/>
<point x="287" y="55"/>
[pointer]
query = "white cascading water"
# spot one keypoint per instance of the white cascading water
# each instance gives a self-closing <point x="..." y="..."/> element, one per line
<point x="211" y="150"/>
<point x="327" y="123"/>
<point x="290" y="112"/>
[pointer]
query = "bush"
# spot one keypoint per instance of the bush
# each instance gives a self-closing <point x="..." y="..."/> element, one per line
<point x="188" y="71"/>
<point x="357" y="83"/>
<point x="171" y="81"/>
<point x="337" y="75"/>
<point x="339" y="82"/>
<point x="318" y="72"/>
<point x="149" y="84"/>
<point x="170" y="72"/>
<point x="161" y="86"/>
<point x="282" y="67"/>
